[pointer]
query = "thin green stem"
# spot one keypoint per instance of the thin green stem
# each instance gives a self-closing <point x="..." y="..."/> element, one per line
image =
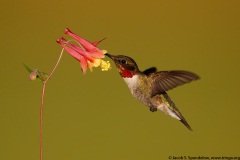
<point x="42" y="102"/>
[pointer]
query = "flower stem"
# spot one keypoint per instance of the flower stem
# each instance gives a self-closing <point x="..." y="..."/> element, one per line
<point x="42" y="102"/>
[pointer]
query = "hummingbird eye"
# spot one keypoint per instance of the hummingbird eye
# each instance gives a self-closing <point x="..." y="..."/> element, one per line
<point x="123" y="61"/>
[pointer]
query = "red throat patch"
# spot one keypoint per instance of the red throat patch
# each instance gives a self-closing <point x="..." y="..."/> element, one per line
<point x="127" y="73"/>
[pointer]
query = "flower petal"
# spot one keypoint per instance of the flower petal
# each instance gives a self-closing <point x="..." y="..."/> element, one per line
<point x="90" y="65"/>
<point x="97" y="62"/>
<point x="98" y="54"/>
<point x="96" y="43"/>
<point x="87" y="45"/>
<point x="84" y="65"/>
<point x="82" y="52"/>
<point x="90" y="47"/>
<point x="74" y="54"/>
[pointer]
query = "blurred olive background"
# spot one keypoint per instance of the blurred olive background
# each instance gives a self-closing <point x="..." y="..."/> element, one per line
<point x="94" y="116"/>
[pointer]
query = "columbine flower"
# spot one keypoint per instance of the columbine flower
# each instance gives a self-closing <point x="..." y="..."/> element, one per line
<point x="88" y="54"/>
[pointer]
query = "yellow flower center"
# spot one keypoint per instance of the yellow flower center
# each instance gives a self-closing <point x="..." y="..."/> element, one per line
<point x="105" y="65"/>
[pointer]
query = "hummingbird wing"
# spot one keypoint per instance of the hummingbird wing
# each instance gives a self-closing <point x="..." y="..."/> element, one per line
<point x="150" y="70"/>
<point x="166" y="80"/>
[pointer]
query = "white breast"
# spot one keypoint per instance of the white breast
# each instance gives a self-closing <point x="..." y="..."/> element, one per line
<point x="131" y="81"/>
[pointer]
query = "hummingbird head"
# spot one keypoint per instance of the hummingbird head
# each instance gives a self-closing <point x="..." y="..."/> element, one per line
<point x="127" y="67"/>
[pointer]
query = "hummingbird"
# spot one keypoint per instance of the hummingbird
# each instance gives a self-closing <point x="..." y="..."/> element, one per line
<point x="150" y="86"/>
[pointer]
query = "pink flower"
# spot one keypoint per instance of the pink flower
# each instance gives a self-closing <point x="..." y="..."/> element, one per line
<point x="88" y="54"/>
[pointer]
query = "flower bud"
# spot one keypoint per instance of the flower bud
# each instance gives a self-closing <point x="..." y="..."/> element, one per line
<point x="33" y="75"/>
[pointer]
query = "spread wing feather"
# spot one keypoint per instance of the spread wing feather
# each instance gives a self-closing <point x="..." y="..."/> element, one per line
<point x="166" y="80"/>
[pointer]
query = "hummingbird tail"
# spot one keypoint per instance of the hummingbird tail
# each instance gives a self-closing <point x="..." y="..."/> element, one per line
<point x="170" y="108"/>
<point x="186" y="124"/>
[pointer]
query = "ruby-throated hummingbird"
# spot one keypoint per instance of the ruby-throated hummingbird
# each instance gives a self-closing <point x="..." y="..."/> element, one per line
<point x="150" y="86"/>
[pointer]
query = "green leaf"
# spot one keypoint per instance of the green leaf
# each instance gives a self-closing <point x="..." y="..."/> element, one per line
<point x="28" y="69"/>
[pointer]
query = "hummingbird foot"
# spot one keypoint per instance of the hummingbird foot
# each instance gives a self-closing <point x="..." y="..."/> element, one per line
<point x="153" y="109"/>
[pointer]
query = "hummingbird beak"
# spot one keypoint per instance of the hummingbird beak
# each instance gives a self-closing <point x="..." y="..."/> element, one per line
<point x="109" y="55"/>
<point x="114" y="58"/>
